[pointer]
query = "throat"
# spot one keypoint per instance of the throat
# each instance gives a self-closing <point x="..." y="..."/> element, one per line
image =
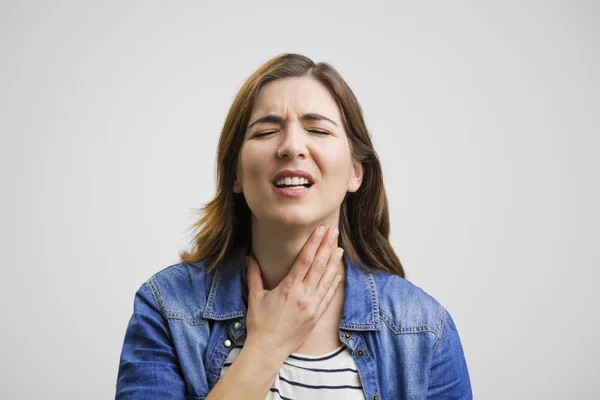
<point x="318" y="343"/>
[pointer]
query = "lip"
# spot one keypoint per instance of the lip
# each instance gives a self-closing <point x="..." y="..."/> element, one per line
<point x="292" y="192"/>
<point x="289" y="173"/>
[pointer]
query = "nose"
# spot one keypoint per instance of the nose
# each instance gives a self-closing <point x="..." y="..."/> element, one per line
<point x="293" y="144"/>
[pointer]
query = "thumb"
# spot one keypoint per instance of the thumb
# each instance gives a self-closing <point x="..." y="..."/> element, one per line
<point x="255" y="283"/>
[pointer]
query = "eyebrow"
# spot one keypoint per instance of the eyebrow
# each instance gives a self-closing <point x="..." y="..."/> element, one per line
<point x="279" y="119"/>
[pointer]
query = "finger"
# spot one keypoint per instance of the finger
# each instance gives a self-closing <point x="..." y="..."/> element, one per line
<point x="255" y="283"/>
<point x="319" y="264"/>
<point x="329" y="296"/>
<point x="330" y="274"/>
<point x="306" y="256"/>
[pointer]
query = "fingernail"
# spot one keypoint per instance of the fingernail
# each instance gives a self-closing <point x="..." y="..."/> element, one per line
<point x="340" y="253"/>
<point x="335" y="233"/>
<point x="320" y="230"/>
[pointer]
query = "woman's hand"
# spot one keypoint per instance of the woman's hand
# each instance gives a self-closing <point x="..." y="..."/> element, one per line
<point x="279" y="320"/>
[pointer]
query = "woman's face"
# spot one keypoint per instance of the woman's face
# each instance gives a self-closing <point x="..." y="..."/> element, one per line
<point x="303" y="133"/>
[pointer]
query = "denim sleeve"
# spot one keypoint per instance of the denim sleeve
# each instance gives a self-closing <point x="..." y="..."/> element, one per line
<point x="449" y="376"/>
<point x="148" y="368"/>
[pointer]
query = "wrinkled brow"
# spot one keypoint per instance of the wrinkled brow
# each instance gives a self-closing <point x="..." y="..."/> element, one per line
<point x="278" y="119"/>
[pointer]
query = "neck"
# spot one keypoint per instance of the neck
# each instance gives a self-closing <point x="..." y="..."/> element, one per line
<point x="276" y="246"/>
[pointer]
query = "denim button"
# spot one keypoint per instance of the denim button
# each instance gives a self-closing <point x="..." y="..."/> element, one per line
<point x="375" y="397"/>
<point x="237" y="325"/>
<point x="360" y="353"/>
<point x="227" y="343"/>
<point x="347" y="336"/>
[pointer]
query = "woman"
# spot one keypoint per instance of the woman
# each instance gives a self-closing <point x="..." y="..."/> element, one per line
<point x="274" y="302"/>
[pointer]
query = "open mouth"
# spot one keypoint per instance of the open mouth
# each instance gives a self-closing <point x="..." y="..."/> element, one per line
<point x="292" y="190"/>
<point x="283" y="185"/>
<point x="293" y="182"/>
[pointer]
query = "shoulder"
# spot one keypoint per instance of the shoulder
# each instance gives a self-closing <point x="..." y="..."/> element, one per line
<point x="180" y="290"/>
<point x="406" y="308"/>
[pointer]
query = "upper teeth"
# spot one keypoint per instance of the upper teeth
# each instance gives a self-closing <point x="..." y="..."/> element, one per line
<point x="292" y="181"/>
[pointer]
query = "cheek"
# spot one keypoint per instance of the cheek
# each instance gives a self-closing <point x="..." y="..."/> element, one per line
<point x="249" y="166"/>
<point x="335" y="164"/>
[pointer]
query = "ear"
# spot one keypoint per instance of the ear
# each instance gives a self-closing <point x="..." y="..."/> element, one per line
<point x="237" y="187"/>
<point x="356" y="176"/>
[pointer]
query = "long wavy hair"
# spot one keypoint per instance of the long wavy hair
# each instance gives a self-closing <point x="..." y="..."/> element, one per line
<point x="223" y="228"/>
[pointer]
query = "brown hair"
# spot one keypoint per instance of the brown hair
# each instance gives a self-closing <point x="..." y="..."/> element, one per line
<point x="223" y="228"/>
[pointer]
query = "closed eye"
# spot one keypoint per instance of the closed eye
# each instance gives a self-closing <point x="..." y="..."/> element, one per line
<point x="319" y="132"/>
<point x="261" y="134"/>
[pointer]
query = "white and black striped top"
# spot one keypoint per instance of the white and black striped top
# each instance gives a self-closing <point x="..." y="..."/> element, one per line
<point x="326" y="377"/>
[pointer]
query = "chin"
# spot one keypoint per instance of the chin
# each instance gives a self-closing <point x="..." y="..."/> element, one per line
<point x="293" y="217"/>
<point x="293" y="220"/>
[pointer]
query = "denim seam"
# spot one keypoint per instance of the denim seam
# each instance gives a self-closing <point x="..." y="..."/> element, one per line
<point x="220" y="317"/>
<point x="374" y="324"/>
<point x="372" y="360"/>
<point x="169" y="314"/>
<point x="374" y="303"/>
<point x="399" y="330"/>
<point x="212" y="294"/>
<point x="439" y="339"/>
<point x="212" y="356"/>
<point x="358" y="326"/>
<point x="156" y="294"/>
<point x="208" y="311"/>
<point x="223" y="358"/>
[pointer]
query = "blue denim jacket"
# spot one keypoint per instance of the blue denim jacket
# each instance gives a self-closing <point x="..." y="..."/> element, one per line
<point x="404" y="343"/>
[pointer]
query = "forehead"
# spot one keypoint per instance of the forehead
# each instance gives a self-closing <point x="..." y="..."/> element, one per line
<point x="296" y="95"/>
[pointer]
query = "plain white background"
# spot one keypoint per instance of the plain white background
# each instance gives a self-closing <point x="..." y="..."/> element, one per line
<point x="485" y="117"/>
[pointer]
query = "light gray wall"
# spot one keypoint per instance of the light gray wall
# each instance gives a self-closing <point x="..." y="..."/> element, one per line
<point x="485" y="117"/>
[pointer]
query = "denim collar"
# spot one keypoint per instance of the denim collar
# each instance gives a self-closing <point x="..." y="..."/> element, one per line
<point x="360" y="313"/>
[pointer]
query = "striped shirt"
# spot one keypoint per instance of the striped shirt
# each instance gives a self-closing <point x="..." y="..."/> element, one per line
<point x="325" y="377"/>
